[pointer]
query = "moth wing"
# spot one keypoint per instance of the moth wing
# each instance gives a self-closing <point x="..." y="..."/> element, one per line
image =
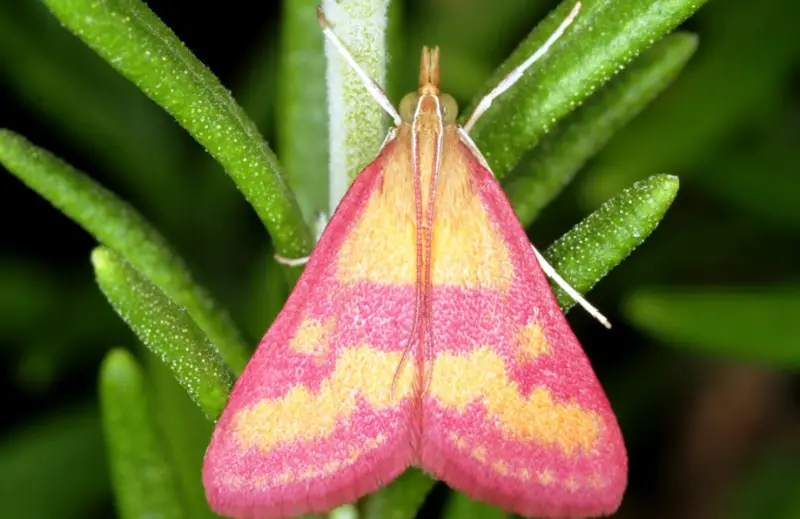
<point x="313" y="423"/>
<point x="514" y="415"/>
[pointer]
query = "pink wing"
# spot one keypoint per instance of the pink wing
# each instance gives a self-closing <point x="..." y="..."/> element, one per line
<point x="514" y="415"/>
<point x="313" y="421"/>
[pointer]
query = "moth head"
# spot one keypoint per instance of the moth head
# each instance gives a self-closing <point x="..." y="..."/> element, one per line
<point x="429" y="87"/>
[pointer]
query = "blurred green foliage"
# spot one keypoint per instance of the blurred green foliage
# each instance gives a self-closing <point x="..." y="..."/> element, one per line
<point x="714" y="289"/>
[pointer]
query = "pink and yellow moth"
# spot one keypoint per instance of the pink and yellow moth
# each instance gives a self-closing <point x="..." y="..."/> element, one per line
<point x="422" y="332"/>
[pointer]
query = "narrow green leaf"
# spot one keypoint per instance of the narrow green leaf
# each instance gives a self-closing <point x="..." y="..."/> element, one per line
<point x="460" y="506"/>
<point x="771" y="151"/>
<point x="144" y="483"/>
<point x="39" y="464"/>
<point x="400" y="499"/>
<point x="344" y="512"/>
<point x="128" y="35"/>
<point x="302" y="109"/>
<point x="80" y="98"/>
<point x="549" y="167"/>
<point x="605" y="36"/>
<point x="357" y="124"/>
<point x="585" y="254"/>
<point x="166" y="330"/>
<point x="692" y="117"/>
<point x="262" y="300"/>
<point x="119" y="226"/>
<point x="185" y="431"/>
<point x="756" y="324"/>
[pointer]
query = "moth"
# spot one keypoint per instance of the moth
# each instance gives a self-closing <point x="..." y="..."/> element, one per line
<point x="423" y="332"/>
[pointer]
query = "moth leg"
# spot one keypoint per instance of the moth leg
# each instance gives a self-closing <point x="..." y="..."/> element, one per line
<point x="552" y="274"/>
<point x="292" y="262"/>
<point x="517" y="73"/>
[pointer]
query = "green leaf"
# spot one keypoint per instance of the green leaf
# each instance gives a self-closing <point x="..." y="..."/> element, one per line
<point x="585" y="254"/>
<point x="54" y="467"/>
<point x="692" y="116"/>
<point x="460" y="506"/>
<point x="144" y="483"/>
<point x="302" y="109"/>
<point x="185" y="431"/>
<point x="262" y="300"/>
<point x="166" y="330"/>
<point x="119" y="226"/>
<point x="80" y="98"/>
<point x="755" y="324"/>
<point x="549" y="167"/>
<point x="128" y="35"/>
<point x="401" y="498"/>
<point x="605" y="36"/>
<point x="357" y="123"/>
<point x="771" y="151"/>
<point x="342" y="512"/>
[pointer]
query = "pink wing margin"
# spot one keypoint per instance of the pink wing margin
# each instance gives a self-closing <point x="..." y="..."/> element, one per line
<point x="467" y="449"/>
<point x="340" y="467"/>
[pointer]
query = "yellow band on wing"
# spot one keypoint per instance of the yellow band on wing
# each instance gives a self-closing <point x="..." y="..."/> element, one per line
<point x="302" y="415"/>
<point x="459" y="380"/>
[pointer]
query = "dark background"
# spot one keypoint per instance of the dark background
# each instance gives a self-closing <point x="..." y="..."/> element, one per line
<point x="700" y="366"/>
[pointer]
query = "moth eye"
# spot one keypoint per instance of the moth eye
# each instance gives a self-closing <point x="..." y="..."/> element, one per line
<point x="449" y="108"/>
<point x="408" y="105"/>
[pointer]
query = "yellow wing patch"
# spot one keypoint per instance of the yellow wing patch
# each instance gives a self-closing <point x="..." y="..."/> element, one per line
<point x="531" y="342"/>
<point x="313" y="337"/>
<point x="458" y="380"/>
<point x="382" y="247"/>
<point x="467" y="249"/>
<point x="301" y="415"/>
<point x="546" y="477"/>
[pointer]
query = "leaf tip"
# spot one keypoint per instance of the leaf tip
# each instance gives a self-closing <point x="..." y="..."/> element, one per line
<point x="117" y="365"/>
<point x="100" y="258"/>
<point x="688" y="41"/>
<point x="672" y="181"/>
<point x="666" y="186"/>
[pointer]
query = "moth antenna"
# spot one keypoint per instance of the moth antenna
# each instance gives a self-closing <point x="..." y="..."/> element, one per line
<point x="371" y="85"/>
<point x="427" y="365"/>
<point x="517" y="73"/>
<point x="552" y="274"/>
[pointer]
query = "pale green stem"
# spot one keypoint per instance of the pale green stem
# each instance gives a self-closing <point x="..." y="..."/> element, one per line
<point x="357" y="124"/>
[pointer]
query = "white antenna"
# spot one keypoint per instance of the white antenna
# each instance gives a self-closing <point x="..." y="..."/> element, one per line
<point x="372" y="86"/>
<point x="516" y="74"/>
<point x="552" y="274"/>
